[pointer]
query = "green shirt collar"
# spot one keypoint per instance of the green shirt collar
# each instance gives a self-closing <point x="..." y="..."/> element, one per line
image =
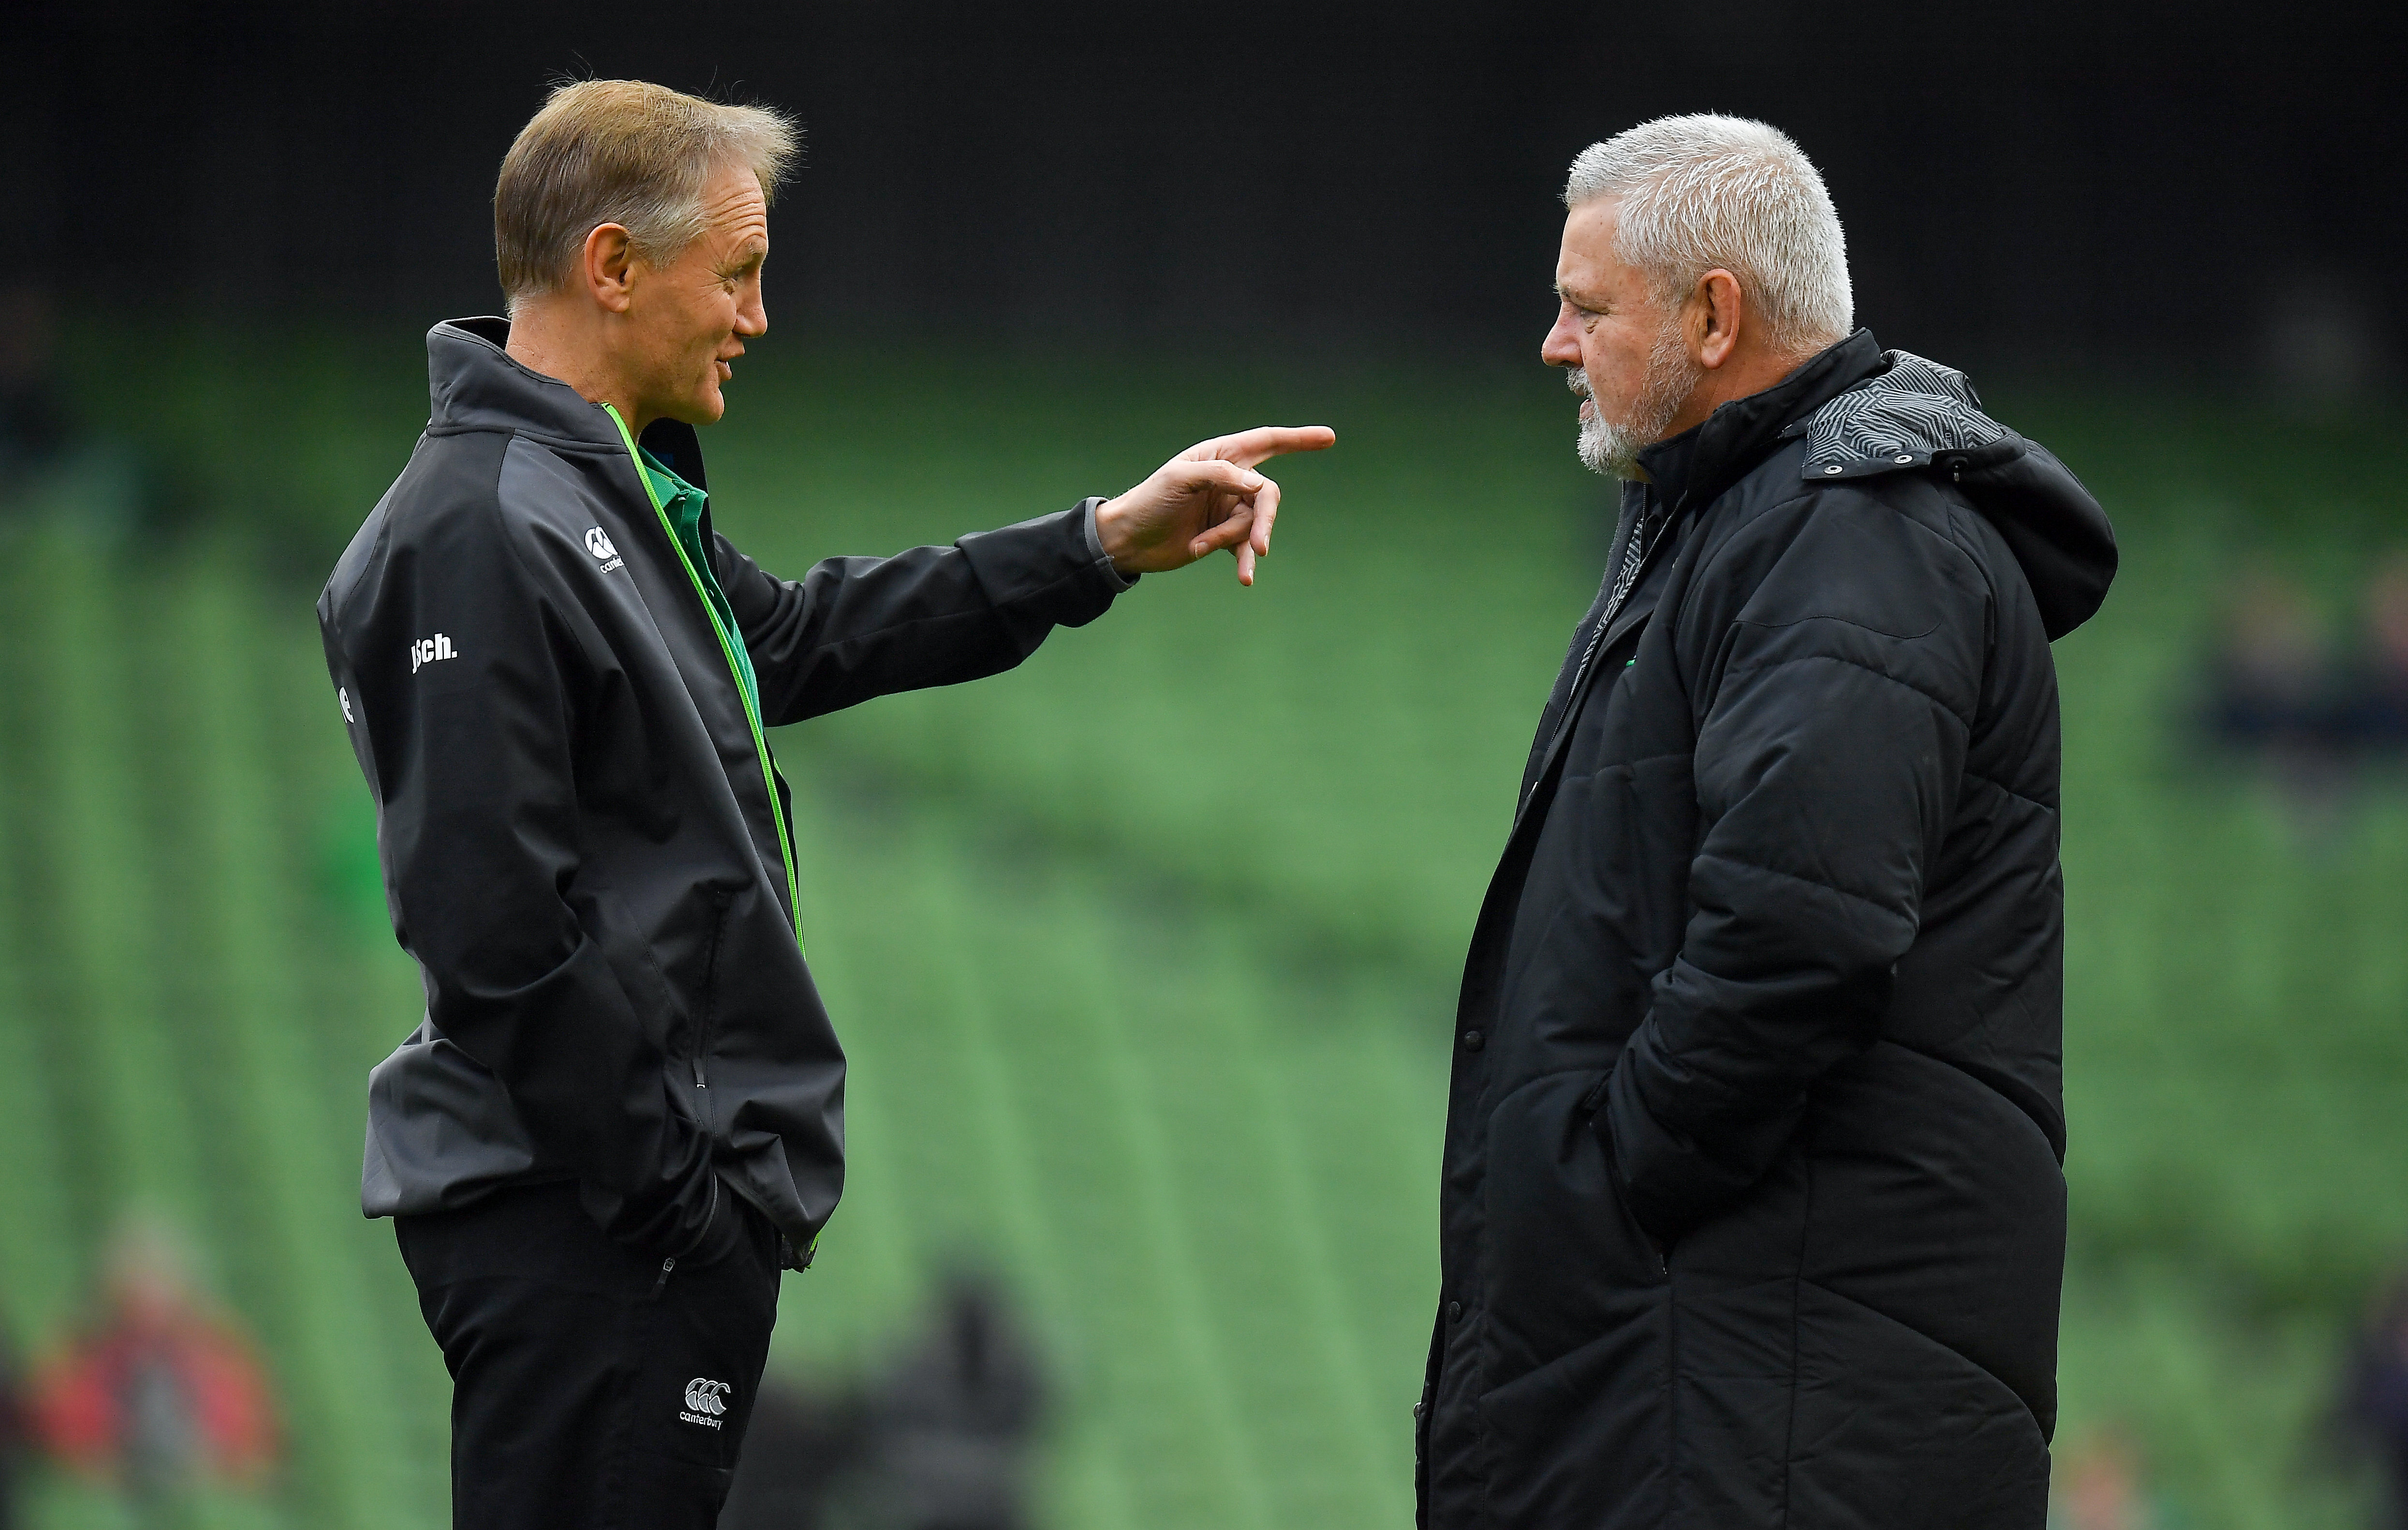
<point x="682" y="503"/>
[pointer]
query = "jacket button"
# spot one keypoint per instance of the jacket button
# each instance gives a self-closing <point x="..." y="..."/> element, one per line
<point x="1454" y="1311"/>
<point x="1473" y="1041"/>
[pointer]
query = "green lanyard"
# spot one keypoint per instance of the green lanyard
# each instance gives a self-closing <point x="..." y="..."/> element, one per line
<point x="736" y="667"/>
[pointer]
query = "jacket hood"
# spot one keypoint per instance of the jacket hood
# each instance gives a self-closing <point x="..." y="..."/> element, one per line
<point x="1916" y="414"/>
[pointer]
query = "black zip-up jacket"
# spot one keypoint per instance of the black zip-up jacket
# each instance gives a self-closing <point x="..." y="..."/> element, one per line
<point x="583" y="836"/>
<point x="1752" y="1211"/>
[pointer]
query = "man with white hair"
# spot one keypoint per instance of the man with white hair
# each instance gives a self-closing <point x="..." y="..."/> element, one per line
<point x="1751" y="1209"/>
<point x="624" y="1113"/>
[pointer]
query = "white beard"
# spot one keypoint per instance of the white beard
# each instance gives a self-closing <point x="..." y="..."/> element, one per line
<point x="1613" y="450"/>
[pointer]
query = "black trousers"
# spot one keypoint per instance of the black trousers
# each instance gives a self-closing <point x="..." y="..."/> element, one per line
<point x="590" y="1388"/>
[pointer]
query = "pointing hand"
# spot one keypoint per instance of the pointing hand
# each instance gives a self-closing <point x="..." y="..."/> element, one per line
<point x="1206" y="498"/>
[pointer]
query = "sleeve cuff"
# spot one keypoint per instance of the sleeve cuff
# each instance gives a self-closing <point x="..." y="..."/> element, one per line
<point x="1087" y="509"/>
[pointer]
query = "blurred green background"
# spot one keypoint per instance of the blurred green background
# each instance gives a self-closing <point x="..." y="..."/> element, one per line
<point x="1144" y="954"/>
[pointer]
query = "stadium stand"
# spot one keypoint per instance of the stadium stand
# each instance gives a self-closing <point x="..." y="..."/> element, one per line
<point x="1177" y="1074"/>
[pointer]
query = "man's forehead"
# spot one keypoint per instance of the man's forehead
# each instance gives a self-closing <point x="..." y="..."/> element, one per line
<point x="1589" y="229"/>
<point x="733" y="199"/>
<point x="1593" y="220"/>
<point x="1579" y="275"/>
<point x="1589" y="262"/>
<point x="740" y="238"/>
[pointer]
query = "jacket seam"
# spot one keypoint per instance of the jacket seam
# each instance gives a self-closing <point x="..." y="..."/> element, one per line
<point x="1701" y="577"/>
<point x="1806" y="881"/>
<point x="1532" y="1081"/>
<point x="723" y="904"/>
<point x="1843" y="621"/>
<point x="1638" y="760"/>
<point x="509" y="539"/>
<point x="339" y="606"/>
<point x="1936" y="699"/>
<point x="1961" y="513"/>
<point x="1921" y="474"/>
<point x="2006" y="791"/>
<point x="1796" y="1309"/>
<point x="1937" y="1344"/>
<point x="1963" y="1072"/>
<point x="1813" y="492"/>
<point x="568" y="443"/>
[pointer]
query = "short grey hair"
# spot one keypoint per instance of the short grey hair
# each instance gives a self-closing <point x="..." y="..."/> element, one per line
<point x="622" y="152"/>
<point x="1705" y="191"/>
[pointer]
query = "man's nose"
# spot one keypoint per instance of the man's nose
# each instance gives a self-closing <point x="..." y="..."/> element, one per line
<point x="1561" y="348"/>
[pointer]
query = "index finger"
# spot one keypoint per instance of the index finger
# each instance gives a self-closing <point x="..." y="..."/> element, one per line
<point x="1248" y="447"/>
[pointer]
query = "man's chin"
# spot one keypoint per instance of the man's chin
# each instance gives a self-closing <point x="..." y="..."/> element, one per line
<point x="701" y="410"/>
<point x="1608" y="453"/>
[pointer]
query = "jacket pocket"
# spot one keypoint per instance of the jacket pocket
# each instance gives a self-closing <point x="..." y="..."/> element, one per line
<point x="1564" y="1260"/>
<point x="705" y="1009"/>
<point x="1591" y="1110"/>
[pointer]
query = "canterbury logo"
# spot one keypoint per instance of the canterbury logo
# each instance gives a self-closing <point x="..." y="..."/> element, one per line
<point x="598" y="542"/>
<point x="705" y="1401"/>
<point x="432" y="650"/>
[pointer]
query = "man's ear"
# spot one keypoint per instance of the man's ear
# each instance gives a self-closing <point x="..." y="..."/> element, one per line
<point x="608" y="267"/>
<point x="1717" y="309"/>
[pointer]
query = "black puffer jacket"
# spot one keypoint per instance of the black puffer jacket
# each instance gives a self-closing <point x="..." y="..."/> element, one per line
<point x="1751" y="1209"/>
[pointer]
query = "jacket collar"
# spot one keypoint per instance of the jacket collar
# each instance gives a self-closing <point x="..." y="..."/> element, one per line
<point x="1693" y="466"/>
<point x="474" y="385"/>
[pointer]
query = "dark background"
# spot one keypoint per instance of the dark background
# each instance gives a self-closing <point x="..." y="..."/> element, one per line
<point x="2166" y="192"/>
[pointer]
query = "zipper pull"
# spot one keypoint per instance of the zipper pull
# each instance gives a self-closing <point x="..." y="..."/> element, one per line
<point x="662" y="1284"/>
<point x="698" y="1081"/>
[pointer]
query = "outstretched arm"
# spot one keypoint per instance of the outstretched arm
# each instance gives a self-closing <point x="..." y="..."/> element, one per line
<point x="854" y="627"/>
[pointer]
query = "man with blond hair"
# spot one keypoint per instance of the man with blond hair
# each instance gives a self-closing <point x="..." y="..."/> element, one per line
<point x="1752" y="1211"/>
<point x="622" y="1114"/>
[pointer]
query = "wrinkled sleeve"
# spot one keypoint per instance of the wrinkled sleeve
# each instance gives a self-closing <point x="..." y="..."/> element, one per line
<point x="1845" y="650"/>
<point x="854" y="627"/>
<point x="467" y="666"/>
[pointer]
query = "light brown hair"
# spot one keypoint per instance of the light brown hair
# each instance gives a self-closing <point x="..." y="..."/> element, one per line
<point x="627" y="153"/>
